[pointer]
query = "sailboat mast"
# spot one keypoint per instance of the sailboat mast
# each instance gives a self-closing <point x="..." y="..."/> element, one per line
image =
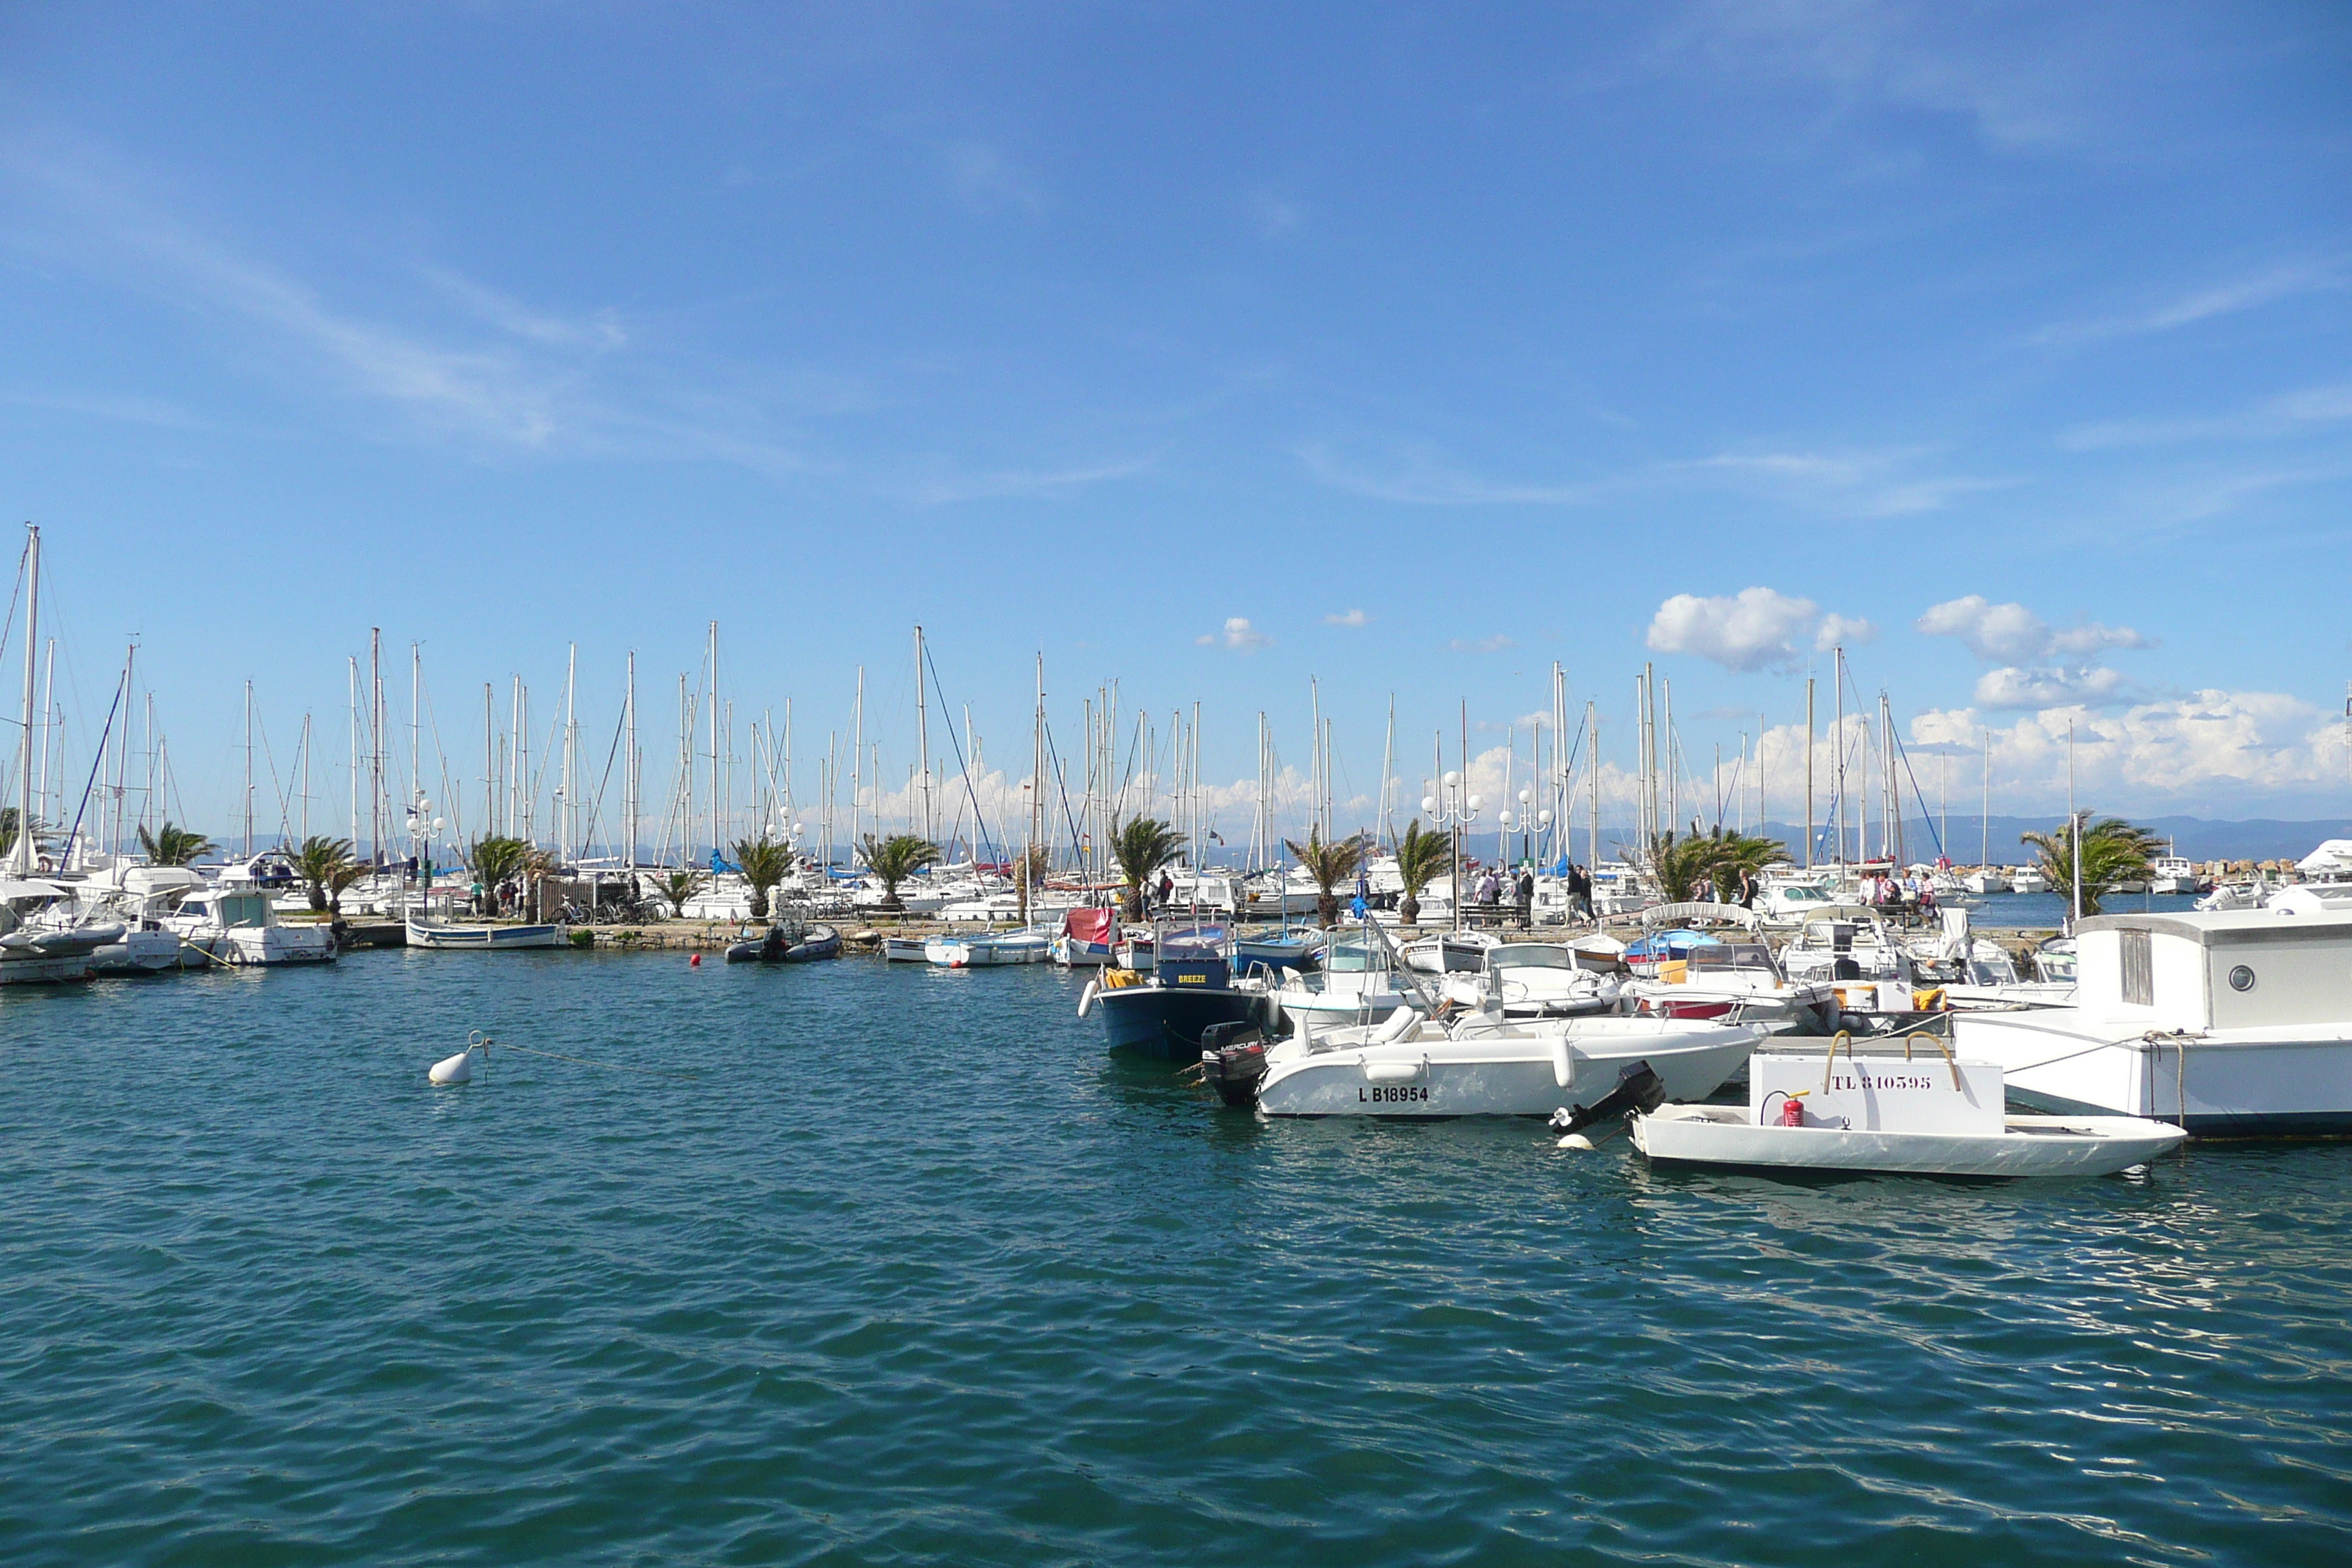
<point x="375" y="744"/>
<point x="717" y="831"/>
<point x="923" y="738"/>
<point x="857" y="764"/>
<point x="631" y="778"/>
<point x="24" y="860"/>
<point x="1593" y="806"/>
<point x="248" y="770"/>
<point x="571" y="732"/>
<point x="1809" y="773"/>
<point x="355" y="752"/>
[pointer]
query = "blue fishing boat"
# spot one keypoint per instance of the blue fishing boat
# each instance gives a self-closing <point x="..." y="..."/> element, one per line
<point x="1191" y="988"/>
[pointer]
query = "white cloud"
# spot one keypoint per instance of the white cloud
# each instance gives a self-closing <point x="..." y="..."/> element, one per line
<point x="1843" y="631"/>
<point x="2291" y="414"/>
<point x="1753" y="629"/>
<point x="2010" y="687"/>
<point x="2011" y="633"/>
<point x="2206" y="745"/>
<point x="1238" y="634"/>
<point x="1348" y="618"/>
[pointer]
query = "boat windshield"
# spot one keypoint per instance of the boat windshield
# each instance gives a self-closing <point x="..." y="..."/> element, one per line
<point x="1193" y="942"/>
<point x="1352" y="958"/>
<point x="1736" y="955"/>
<point x="1531" y="956"/>
<point x="1805" y="894"/>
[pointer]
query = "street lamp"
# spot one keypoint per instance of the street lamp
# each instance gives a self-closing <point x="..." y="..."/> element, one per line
<point x="422" y="825"/>
<point x="1451" y="808"/>
<point x="1527" y="824"/>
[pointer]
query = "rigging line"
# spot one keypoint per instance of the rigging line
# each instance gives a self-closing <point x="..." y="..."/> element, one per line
<point x="1929" y="815"/>
<point x="97" y="762"/>
<point x="1062" y="784"/>
<point x="9" y="625"/>
<point x="979" y="818"/>
<point x="596" y="812"/>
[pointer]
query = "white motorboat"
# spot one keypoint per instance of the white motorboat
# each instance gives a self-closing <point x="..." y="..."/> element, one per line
<point x="1033" y="945"/>
<point x="1985" y="880"/>
<point x="1845" y="943"/>
<point x="2173" y="874"/>
<point x="1356" y="985"/>
<point x="2024" y="1146"/>
<point x="42" y="940"/>
<point x="241" y="926"/>
<point x="1736" y="981"/>
<point x="1449" y="953"/>
<point x="2028" y="879"/>
<point x="1971" y="970"/>
<point x="906" y="950"/>
<point x="1935" y="1115"/>
<point x="1484" y="1065"/>
<point x="1536" y="980"/>
<point x="2237" y="1022"/>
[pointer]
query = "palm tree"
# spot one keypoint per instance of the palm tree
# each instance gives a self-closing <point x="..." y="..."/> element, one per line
<point x="1029" y="871"/>
<point x="8" y="830"/>
<point x="317" y="862"/>
<point x="1420" y="856"/>
<point x="337" y="883"/>
<point x="894" y="859"/>
<point x="1143" y="847"/>
<point x="2113" y="851"/>
<point x="1329" y="865"/>
<point x="1680" y="864"/>
<point x="495" y="860"/>
<point x="172" y="845"/>
<point x="765" y="863"/>
<point x="677" y="887"/>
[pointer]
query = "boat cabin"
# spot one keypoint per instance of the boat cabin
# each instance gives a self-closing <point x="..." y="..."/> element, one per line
<point x="2235" y="969"/>
<point x="1193" y="955"/>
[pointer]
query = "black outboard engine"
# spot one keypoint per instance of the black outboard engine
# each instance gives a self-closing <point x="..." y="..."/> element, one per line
<point x="1232" y="1060"/>
<point x="1639" y="1087"/>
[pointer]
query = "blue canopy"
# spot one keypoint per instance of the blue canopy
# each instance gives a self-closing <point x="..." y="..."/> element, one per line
<point x="1670" y="944"/>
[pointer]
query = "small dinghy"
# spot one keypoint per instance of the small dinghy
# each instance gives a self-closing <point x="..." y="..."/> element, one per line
<point x="1881" y="1113"/>
<point x="788" y="944"/>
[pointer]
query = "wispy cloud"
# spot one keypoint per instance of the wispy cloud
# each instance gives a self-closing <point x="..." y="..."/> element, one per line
<point x="2249" y="292"/>
<point x="1347" y="618"/>
<point x="2293" y="414"/>
<point x="947" y="490"/>
<point x="1859" y="482"/>
<point x="986" y="181"/>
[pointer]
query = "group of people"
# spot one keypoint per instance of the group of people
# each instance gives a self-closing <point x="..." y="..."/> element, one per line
<point x="1891" y="891"/>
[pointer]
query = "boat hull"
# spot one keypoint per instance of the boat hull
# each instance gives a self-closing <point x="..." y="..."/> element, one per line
<point x="2027" y="1145"/>
<point x="2224" y="1083"/>
<point x="482" y="938"/>
<point x="1532" y="1073"/>
<point x="1165" y="1023"/>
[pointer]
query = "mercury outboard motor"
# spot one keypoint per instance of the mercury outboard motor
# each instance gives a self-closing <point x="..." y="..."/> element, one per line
<point x="1639" y="1087"/>
<point x="1232" y="1060"/>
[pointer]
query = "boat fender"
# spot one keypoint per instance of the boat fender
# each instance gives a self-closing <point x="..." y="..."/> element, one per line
<point x="1087" y="997"/>
<point x="1639" y="1087"/>
<point x="1394" y="1072"/>
<point x="1563" y="1065"/>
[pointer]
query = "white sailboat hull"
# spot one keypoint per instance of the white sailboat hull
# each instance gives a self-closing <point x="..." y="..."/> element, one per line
<point x="2026" y="1145"/>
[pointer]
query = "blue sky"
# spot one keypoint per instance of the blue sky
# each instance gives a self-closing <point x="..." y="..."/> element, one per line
<point x="1209" y="349"/>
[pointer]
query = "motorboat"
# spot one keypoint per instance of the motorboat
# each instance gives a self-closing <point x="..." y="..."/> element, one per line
<point x="136" y="897"/>
<point x="2053" y="960"/>
<point x="1845" y="943"/>
<point x="1534" y="979"/>
<point x="1739" y="981"/>
<point x="1449" y="953"/>
<point x="1789" y="901"/>
<point x="1086" y="939"/>
<point x="240" y="925"/>
<point x="1882" y="1114"/>
<point x="1294" y="948"/>
<point x="2028" y="879"/>
<point x="1192" y="989"/>
<point x="459" y="937"/>
<point x="2232" y="1023"/>
<point x="906" y="950"/>
<point x="1484" y="1065"/>
<point x="42" y="941"/>
<point x="1133" y="952"/>
<point x="1032" y="945"/>
<point x="1960" y="968"/>
<point x="788" y="942"/>
<point x="2174" y="874"/>
<point x="1357" y="984"/>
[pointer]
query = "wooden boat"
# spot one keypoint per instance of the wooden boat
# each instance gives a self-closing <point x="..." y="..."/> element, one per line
<point x="480" y="938"/>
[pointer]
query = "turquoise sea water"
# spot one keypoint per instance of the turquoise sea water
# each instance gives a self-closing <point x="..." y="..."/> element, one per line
<point x="868" y="1265"/>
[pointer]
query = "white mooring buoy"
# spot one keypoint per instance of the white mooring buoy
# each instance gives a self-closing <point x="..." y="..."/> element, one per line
<point x="459" y="1069"/>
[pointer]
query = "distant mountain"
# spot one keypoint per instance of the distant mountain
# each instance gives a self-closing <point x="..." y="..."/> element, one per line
<point x="2259" y="838"/>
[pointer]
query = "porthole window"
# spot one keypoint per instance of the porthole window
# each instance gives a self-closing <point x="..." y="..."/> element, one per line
<point x="2242" y="979"/>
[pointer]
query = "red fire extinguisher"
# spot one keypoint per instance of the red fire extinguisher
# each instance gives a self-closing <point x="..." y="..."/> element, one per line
<point x="1792" y="1111"/>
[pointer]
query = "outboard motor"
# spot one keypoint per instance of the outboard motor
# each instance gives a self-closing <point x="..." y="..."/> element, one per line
<point x="1232" y="1060"/>
<point x="1639" y="1087"/>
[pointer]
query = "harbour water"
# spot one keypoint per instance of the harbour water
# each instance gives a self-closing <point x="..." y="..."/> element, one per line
<point x="849" y="1263"/>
